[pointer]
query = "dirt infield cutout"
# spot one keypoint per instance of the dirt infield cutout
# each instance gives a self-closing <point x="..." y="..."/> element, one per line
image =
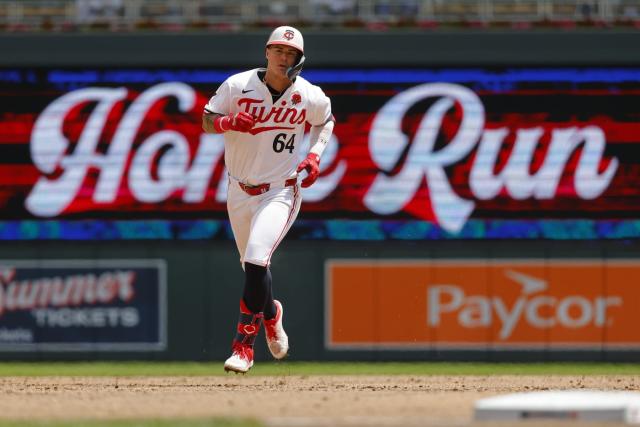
<point x="278" y="400"/>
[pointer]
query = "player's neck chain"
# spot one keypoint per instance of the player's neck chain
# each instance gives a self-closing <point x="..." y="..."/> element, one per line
<point x="263" y="77"/>
<point x="273" y="91"/>
<point x="275" y="95"/>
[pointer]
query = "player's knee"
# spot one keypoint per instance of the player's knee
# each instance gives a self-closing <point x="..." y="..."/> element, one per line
<point x="257" y="254"/>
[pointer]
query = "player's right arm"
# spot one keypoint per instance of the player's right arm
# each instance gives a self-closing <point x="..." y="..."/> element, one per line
<point x="207" y="122"/>
<point x="220" y="123"/>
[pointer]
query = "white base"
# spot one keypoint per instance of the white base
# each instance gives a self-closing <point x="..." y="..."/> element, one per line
<point x="578" y="405"/>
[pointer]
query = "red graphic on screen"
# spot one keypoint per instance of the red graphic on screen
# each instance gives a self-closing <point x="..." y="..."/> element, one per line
<point x="442" y="152"/>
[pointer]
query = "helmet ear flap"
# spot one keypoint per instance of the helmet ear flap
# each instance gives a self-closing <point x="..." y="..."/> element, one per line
<point x="294" y="71"/>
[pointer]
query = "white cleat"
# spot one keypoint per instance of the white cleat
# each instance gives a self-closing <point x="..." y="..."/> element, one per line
<point x="241" y="360"/>
<point x="277" y="339"/>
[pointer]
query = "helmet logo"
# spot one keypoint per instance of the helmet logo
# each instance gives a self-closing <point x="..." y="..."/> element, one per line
<point x="288" y="34"/>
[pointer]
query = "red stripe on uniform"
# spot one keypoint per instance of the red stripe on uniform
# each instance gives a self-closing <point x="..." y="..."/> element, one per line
<point x="287" y="224"/>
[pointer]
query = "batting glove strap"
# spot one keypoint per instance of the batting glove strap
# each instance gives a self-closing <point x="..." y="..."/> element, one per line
<point x="222" y="124"/>
<point x="240" y="122"/>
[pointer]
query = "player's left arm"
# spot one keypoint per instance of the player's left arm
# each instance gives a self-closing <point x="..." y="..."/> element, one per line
<point x="319" y="136"/>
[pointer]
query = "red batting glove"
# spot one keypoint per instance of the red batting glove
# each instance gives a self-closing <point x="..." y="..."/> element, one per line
<point x="241" y="122"/>
<point x="312" y="165"/>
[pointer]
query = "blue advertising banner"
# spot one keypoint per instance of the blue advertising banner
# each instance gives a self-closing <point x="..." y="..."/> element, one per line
<point x="83" y="305"/>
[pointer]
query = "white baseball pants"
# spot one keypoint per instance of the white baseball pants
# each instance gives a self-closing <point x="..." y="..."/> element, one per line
<point x="260" y="222"/>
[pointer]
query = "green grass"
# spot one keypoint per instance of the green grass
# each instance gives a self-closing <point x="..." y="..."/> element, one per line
<point x="312" y="368"/>
<point x="212" y="422"/>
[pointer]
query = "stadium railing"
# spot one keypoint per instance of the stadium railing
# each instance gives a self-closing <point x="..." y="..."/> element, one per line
<point x="231" y="15"/>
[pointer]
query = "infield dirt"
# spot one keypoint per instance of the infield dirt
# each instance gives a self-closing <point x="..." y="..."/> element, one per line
<point x="285" y="400"/>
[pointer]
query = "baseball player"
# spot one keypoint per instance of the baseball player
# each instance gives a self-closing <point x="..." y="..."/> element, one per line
<point x="262" y="114"/>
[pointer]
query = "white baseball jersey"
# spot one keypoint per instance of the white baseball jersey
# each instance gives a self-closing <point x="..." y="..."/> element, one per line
<point x="269" y="152"/>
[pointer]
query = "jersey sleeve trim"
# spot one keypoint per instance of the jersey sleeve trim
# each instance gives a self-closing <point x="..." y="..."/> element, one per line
<point x="208" y="111"/>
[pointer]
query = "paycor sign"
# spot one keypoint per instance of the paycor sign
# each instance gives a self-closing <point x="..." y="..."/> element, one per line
<point x="534" y="306"/>
<point x="478" y="304"/>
